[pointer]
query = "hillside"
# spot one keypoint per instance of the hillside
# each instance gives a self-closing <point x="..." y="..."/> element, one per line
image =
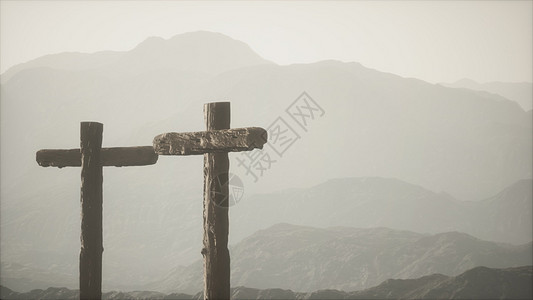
<point x="306" y="259"/>
<point x="365" y="203"/>
<point x="387" y="202"/>
<point x="477" y="283"/>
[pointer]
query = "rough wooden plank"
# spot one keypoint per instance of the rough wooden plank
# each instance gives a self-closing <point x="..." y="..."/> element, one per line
<point x="227" y="140"/>
<point x="116" y="157"/>
<point x="91" y="211"/>
<point x="216" y="223"/>
<point x="59" y="158"/>
<point x="129" y="156"/>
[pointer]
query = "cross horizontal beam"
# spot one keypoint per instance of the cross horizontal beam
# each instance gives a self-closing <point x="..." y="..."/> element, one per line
<point x="212" y="141"/>
<point x="110" y="157"/>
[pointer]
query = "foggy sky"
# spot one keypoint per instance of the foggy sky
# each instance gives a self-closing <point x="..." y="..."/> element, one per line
<point x="439" y="41"/>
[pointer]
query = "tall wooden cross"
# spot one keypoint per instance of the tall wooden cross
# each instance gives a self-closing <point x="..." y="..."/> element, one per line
<point x="91" y="157"/>
<point x="214" y="144"/>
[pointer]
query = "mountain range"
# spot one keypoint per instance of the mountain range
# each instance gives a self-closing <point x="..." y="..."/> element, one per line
<point x="386" y="202"/>
<point x="439" y="149"/>
<point x="304" y="258"/>
<point x="366" y="203"/>
<point x="476" y="283"/>
<point x="186" y="52"/>
<point x="445" y="139"/>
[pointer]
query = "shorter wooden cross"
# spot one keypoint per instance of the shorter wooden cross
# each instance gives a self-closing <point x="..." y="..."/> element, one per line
<point x="214" y="144"/>
<point x="91" y="157"/>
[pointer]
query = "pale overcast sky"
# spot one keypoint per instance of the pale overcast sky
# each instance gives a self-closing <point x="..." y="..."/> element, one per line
<point x="437" y="41"/>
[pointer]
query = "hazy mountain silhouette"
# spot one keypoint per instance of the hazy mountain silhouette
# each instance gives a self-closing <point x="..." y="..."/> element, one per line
<point x="69" y="61"/>
<point x="403" y="128"/>
<point x="471" y="145"/>
<point x="521" y="92"/>
<point x="306" y="259"/>
<point x="129" y="233"/>
<point x="202" y="51"/>
<point x="387" y="202"/>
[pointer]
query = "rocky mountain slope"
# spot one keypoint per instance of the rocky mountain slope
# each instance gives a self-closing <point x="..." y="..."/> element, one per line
<point x="356" y="202"/>
<point x="476" y="283"/>
<point x="306" y="259"/>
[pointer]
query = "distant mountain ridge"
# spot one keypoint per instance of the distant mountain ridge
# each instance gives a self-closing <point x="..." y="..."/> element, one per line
<point x="201" y="51"/>
<point x="387" y="202"/>
<point x="306" y="259"/>
<point x="521" y="92"/>
<point x="476" y="283"/>
<point x="155" y="53"/>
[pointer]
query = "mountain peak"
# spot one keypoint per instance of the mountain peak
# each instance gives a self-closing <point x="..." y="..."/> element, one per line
<point x="466" y="81"/>
<point x="189" y="38"/>
<point x="202" y="34"/>
<point x="200" y="51"/>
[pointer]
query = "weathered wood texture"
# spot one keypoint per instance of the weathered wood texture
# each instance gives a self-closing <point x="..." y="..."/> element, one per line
<point x="216" y="223"/>
<point x="91" y="211"/>
<point x="227" y="140"/>
<point x="116" y="156"/>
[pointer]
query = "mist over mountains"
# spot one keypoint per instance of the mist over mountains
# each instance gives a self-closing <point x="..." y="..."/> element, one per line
<point x="385" y="202"/>
<point x="426" y="134"/>
<point x="407" y="154"/>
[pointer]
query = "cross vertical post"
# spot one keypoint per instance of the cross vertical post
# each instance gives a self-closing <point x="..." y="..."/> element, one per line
<point x="214" y="144"/>
<point x="91" y="211"/>
<point x="216" y="222"/>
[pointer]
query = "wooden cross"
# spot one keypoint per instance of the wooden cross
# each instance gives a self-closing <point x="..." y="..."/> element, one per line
<point x="91" y="157"/>
<point x="214" y="144"/>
